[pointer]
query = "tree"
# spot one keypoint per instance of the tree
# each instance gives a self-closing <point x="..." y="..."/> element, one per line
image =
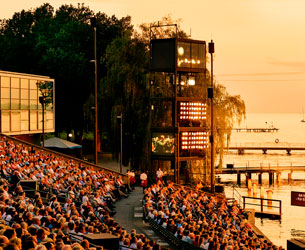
<point x="60" y="44"/>
<point x="228" y="111"/>
<point x="125" y="89"/>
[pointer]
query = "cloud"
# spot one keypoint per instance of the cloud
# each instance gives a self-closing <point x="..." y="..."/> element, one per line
<point x="293" y="64"/>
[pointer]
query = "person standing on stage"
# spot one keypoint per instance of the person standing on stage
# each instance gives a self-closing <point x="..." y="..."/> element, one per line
<point x="143" y="178"/>
<point x="159" y="174"/>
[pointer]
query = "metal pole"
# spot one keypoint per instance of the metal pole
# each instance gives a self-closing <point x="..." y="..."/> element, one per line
<point x="121" y="154"/>
<point x="211" y="51"/>
<point x="95" y="100"/>
<point x="43" y="97"/>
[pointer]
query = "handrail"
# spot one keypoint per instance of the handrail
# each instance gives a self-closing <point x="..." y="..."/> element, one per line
<point x="262" y="205"/>
<point x="237" y="194"/>
<point x="219" y="196"/>
<point x="170" y="237"/>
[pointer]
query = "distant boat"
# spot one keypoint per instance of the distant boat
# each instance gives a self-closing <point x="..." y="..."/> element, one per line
<point x="303" y="120"/>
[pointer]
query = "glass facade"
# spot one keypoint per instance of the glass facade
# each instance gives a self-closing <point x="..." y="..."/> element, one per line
<point x="20" y="109"/>
<point x="191" y="55"/>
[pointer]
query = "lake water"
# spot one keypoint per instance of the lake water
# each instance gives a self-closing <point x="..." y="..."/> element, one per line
<point x="291" y="131"/>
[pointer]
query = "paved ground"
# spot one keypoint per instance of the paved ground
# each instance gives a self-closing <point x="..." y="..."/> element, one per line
<point x="130" y="216"/>
<point x="129" y="210"/>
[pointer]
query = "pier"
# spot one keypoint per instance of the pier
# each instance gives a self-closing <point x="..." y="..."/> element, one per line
<point x="257" y="130"/>
<point x="274" y="172"/>
<point x="264" y="147"/>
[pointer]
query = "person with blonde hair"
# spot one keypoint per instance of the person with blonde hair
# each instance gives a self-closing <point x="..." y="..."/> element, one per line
<point x="3" y="240"/>
<point x="16" y="241"/>
<point x="77" y="246"/>
<point x="40" y="247"/>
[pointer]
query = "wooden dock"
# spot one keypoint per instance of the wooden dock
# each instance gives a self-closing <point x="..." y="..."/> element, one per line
<point x="274" y="172"/>
<point x="260" y="170"/>
<point x="264" y="205"/>
<point x="264" y="147"/>
<point x="257" y="130"/>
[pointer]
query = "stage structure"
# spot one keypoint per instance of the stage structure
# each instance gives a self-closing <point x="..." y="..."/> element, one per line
<point x="178" y="99"/>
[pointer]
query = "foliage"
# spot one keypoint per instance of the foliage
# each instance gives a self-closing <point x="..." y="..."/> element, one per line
<point x="228" y="110"/>
<point x="46" y="90"/>
<point x="59" y="43"/>
<point x="124" y="89"/>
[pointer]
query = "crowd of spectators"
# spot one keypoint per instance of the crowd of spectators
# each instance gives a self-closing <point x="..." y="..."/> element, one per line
<point x="202" y="220"/>
<point x="81" y="200"/>
<point x="75" y="200"/>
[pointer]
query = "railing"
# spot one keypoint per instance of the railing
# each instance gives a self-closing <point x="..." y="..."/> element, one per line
<point x="262" y="167"/>
<point x="262" y="205"/>
<point x="236" y="195"/>
<point x="219" y="196"/>
<point x="267" y="144"/>
<point x="170" y="237"/>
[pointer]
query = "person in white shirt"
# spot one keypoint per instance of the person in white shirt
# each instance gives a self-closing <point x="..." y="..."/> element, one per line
<point x="143" y="178"/>
<point x="159" y="174"/>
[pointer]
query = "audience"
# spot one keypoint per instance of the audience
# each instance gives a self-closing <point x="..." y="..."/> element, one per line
<point x="74" y="200"/>
<point x="202" y="220"/>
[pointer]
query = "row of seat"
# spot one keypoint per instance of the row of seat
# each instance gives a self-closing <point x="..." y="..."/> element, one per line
<point x="170" y="237"/>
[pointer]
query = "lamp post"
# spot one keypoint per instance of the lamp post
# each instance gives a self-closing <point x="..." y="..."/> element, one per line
<point x="211" y="95"/>
<point x="93" y="25"/>
<point x="121" y="141"/>
<point x="42" y="102"/>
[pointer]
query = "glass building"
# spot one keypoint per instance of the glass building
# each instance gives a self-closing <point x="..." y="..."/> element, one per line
<point x="21" y="98"/>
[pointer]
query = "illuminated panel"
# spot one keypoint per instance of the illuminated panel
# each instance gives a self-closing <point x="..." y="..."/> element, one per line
<point x="194" y="140"/>
<point x="192" y="111"/>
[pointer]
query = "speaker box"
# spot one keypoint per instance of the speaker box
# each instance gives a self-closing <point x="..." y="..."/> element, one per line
<point x="219" y="188"/>
<point x="295" y="244"/>
<point x="230" y="166"/>
<point x="108" y="241"/>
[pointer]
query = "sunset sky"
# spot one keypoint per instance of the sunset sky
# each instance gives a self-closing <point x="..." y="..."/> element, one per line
<point x="259" y="44"/>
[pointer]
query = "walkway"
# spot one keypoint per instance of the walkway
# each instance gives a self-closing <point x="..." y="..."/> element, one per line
<point x="130" y="216"/>
<point x="129" y="210"/>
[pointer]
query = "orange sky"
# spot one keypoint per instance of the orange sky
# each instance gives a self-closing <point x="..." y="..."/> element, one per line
<point x="259" y="44"/>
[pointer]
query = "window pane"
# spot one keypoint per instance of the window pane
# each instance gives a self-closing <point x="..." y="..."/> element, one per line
<point x="5" y="93"/>
<point x="198" y="55"/>
<point x="49" y="124"/>
<point x="33" y="94"/>
<point x="15" y="93"/>
<point x="184" y="54"/>
<point x="33" y="104"/>
<point x="33" y="84"/>
<point x="24" y="125"/>
<point x="5" y="121"/>
<point x="15" y="83"/>
<point x="5" y="81"/>
<point x="24" y="83"/>
<point x="16" y="125"/>
<point x="5" y="104"/>
<point x="40" y="120"/>
<point x="33" y="120"/>
<point x="24" y="94"/>
<point x="15" y="104"/>
<point x="24" y="104"/>
<point x="24" y="115"/>
<point x="49" y="120"/>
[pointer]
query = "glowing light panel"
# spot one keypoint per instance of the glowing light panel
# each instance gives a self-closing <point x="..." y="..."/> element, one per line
<point x="192" y="111"/>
